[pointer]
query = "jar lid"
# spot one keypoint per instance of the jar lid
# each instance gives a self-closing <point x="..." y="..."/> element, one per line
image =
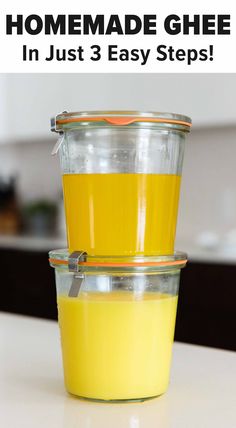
<point x="79" y="261"/>
<point x="73" y="120"/>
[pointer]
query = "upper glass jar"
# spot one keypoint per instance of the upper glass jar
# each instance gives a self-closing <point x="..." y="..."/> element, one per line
<point x="121" y="179"/>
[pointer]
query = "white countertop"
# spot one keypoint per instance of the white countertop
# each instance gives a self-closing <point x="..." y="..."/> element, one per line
<point x="202" y="392"/>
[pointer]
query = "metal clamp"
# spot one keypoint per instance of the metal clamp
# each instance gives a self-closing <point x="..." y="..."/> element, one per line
<point x="74" y="259"/>
<point x="54" y="122"/>
<point x="73" y="266"/>
<point x="61" y="134"/>
<point x="58" y="143"/>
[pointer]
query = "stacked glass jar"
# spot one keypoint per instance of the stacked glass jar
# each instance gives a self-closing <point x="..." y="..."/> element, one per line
<point x="117" y="284"/>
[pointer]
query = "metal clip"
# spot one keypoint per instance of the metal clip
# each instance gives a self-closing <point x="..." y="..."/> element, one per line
<point x="58" y="144"/>
<point x="61" y="133"/>
<point x="73" y="265"/>
<point x="74" y="259"/>
<point x="76" y="285"/>
<point x="54" y="121"/>
<point x="53" y="124"/>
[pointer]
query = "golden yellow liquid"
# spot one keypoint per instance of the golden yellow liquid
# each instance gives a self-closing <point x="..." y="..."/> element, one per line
<point x="121" y="214"/>
<point x="115" y="347"/>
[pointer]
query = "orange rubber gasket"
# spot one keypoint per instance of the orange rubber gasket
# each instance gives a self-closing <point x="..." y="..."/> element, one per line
<point x="104" y="264"/>
<point x="123" y="120"/>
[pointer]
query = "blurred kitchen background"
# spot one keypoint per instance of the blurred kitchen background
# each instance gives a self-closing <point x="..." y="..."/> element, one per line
<point x="31" y="205"/>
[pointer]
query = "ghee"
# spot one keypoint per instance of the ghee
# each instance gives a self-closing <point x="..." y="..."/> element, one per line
<point x="117" y="346"/>
<point x="121" y="214"/>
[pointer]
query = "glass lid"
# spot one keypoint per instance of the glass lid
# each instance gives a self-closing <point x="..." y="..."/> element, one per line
<point x="80" y="261"/>
<point x="68" y="120"/>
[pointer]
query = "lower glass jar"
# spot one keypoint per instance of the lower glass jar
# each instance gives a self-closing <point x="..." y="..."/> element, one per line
<point x="117" y="320"/>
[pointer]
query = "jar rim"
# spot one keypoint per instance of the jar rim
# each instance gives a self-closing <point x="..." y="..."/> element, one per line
<point x="61" y="259"/>
<point x="120" y="118"/>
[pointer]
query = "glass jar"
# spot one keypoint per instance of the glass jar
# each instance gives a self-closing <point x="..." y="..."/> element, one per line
<point x="117" y="319"/>
<point x="121" y="180"/>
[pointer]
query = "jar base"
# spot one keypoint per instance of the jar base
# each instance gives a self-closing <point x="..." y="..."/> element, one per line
<point x="114" y="401"/>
